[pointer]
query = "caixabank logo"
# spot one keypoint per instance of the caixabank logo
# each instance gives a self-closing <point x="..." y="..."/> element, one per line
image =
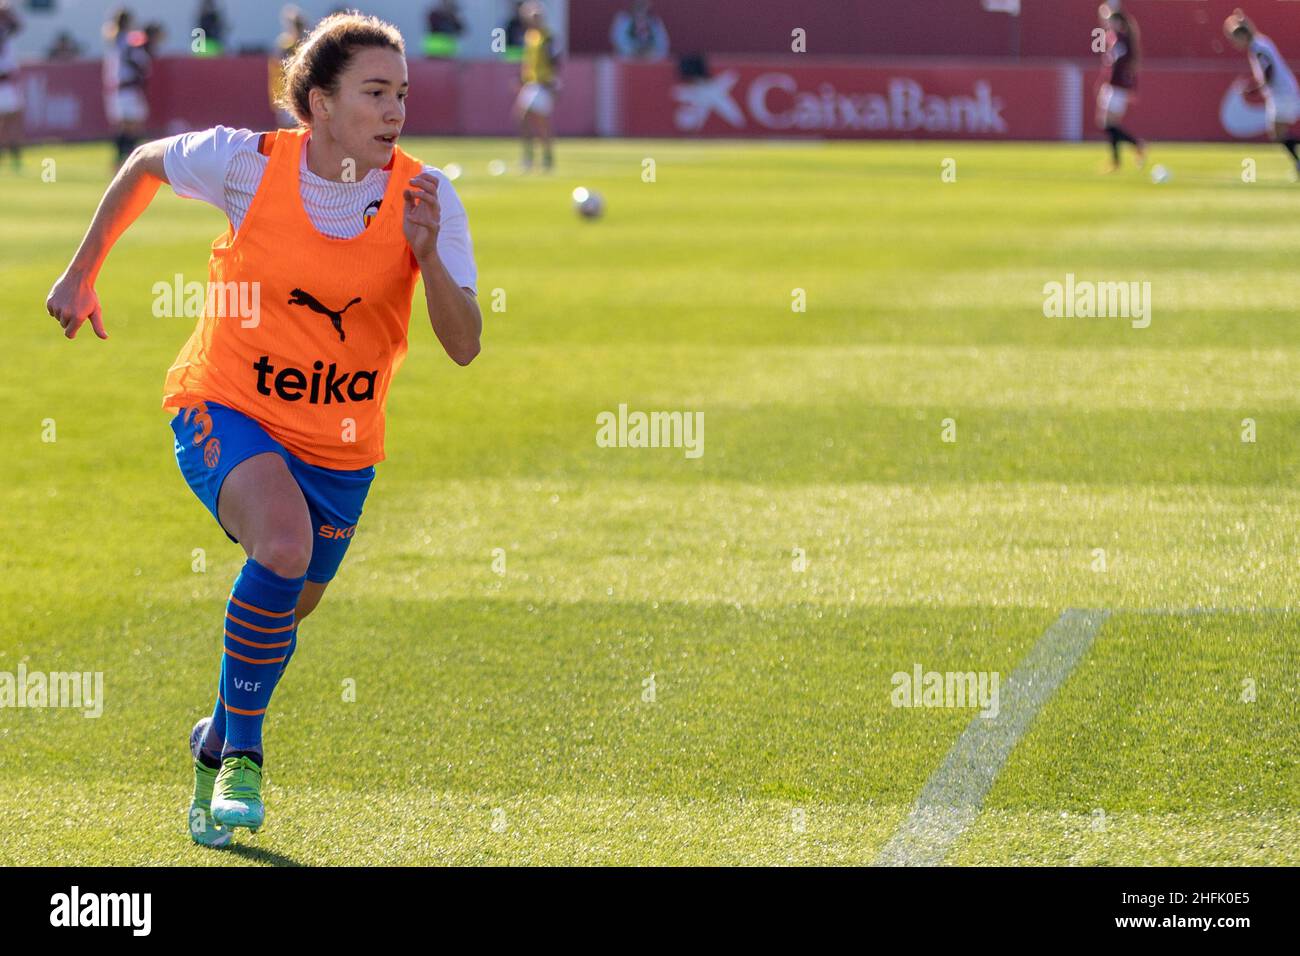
<point x="325" y="385"/>
<point x="784" y="101"/>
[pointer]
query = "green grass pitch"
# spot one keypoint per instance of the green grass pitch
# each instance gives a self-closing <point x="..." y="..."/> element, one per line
<point x="503" y="718"/>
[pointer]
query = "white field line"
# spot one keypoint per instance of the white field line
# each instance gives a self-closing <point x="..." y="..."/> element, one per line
<point x="952" y="797"/>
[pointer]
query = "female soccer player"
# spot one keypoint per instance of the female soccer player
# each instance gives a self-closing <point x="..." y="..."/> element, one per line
<point x="536" y="99"/>
<point x="125" y="105"/>
<point x="280" y="407"/>
<point x="1119" y="79"/>
<point x="1273" y="79"/>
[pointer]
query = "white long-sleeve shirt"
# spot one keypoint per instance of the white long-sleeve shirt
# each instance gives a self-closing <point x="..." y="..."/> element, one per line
<point x="1281" y="82"/>
<point x="222" y="167"/>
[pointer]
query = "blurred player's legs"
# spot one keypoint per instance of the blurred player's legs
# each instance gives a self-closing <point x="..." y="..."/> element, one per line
<point x="1112" y="104"/>
<point x="127" y="111"/>
<point x="533" y="108"/>
<point x="1283" y="113"/>
<point x="11" y="120"/>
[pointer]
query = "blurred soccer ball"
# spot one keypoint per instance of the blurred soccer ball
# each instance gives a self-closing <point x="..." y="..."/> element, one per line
<point x="588" y="204"/>
<point x="1160" y="175"/>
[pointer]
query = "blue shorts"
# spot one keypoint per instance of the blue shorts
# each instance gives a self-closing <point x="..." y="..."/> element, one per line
<point x="208" y="448"/>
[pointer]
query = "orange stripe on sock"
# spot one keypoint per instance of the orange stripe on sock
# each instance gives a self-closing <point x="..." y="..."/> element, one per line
<point x="269" y="647"/>
<point x="249" y="607"/>
<point x="263" y="630"/>
<point x="242" y="713"/>
<point x="253" y="660"/>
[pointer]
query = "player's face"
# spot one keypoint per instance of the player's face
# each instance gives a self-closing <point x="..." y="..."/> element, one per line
<point x="368" y="111"/>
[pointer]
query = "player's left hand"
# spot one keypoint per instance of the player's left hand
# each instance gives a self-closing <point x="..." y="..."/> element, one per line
<point x="421" y="215"/>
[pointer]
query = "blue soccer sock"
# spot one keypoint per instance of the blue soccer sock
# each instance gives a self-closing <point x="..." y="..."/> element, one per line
<point x="214" y="741"/>
<point x="260" y="635"/>
<point x="288" y="652"/>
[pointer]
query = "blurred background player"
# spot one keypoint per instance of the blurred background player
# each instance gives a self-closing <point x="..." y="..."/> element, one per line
<point x="1119" y="65"/>
<point x="212" y="22"/>
<point x="536" y="99"/>
<point x="295" y="29"/>
<point x="443" y="30"/>
<point x="124" y="103"/>
<point x="1273" y="80"/>
<point x="64" y="48"/>
<point x="514" y="34"/>
<point x="11" y="99"/>
<point x="137" y="69"/>
<point x="638" y="34"/>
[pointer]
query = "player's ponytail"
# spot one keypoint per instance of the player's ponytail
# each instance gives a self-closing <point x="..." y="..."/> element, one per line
<point x="1134" y="34"/>
<point x="325" y="53"/>
<point x="119" y="21"/>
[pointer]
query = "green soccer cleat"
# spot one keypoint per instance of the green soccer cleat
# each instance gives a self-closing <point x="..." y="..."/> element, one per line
<point x="237" y="794"/>
<point x="203" y="829"/>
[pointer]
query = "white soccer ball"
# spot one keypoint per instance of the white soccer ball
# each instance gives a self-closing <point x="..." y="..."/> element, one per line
<point x="1160" y="175"/>
<point x="588" y="203"/>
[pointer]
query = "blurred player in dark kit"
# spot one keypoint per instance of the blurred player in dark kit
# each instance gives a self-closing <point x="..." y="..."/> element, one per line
<point x="1119" y="66"/>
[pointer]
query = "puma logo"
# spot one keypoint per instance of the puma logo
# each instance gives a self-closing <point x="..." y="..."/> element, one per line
<point x="299" y="297"/>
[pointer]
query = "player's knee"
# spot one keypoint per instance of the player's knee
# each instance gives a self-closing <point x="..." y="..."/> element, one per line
<point x="285" y="554"/>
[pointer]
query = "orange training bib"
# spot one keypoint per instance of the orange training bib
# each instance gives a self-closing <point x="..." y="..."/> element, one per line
<point x="313" y="362"/>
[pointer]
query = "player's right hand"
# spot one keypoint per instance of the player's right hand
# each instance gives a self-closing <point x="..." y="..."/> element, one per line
<point x="72" y="301"/>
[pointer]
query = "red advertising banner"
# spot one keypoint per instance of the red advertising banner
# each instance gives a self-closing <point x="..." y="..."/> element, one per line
<point x="902" y="100"/>
<point x="197" y="92"/>
<point x="65" y="101"/>
<point x="1202" y="103"/>
<point x="744" y="96"/>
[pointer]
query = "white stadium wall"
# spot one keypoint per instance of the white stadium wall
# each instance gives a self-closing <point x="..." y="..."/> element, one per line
<point x="256" y="23"/>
